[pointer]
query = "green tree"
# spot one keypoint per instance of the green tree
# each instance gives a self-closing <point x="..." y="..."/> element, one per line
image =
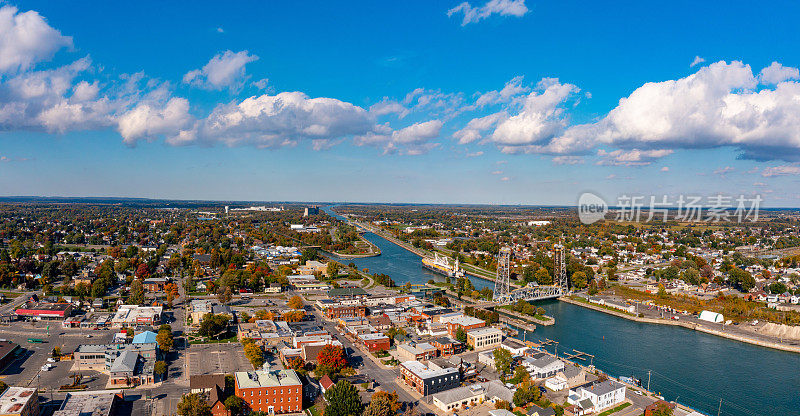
<point x="543" y="277"/>
<point x="333" y="269"/>
<point x="235" y="405"/>
<point x="137" y="293"/>
<point x="461" y="335"/>
<point x="193" y="405"/>
<point x="343" y="400"/>
<point x="160" y="368"/>
<point x="502" y="361"/>
<point x="224" y="294"/>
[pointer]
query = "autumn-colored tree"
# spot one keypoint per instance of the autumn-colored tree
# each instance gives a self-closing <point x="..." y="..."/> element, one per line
<point x="296" y="302"/>
<point x="296" y="363"/>
<point x="142" y="271"/>
<point x="294" y="316"/>
<point x="330" y="360"/>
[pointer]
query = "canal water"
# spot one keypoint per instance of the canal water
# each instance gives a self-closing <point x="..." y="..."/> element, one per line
<point x="690" y="367"/>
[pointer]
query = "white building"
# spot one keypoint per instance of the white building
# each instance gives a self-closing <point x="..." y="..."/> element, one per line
<point x="603" y="395"/>
<point x="544" y="367"/>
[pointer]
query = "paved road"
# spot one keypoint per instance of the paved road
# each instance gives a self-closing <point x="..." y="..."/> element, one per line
<point x="386" y="378"/>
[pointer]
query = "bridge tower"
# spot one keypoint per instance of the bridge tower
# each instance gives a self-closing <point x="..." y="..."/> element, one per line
<point x="502" y="284"/>
<point x="560" y="267"/>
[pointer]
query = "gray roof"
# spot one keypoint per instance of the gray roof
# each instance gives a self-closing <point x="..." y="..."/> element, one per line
<point x="495" y="388"/>
<point x="572" y="371"/>
<point x="126" y="362"/>
<point x="541" y="411"/>
<point x="544" y="361"/>
<point x="603" y="387"/>
<point x="459" y="393"/>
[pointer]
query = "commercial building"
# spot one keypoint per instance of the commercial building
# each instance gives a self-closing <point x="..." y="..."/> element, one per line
<point x="544" y="367"/>
<point x="19" y="401"/>
<point x="429" y="379"/>
<point x="8" y="354"/>
<point x="44" y="311"/>
<point x="484" y="338"/>
<point x="416" y="352"/>
<point x="306" y="283"/>
<point x="375" y="341"/>
<point x="337" y="312"/>
<point x="466" y="323"/>
<point x="460" y="397"/>
<point x="126" y="364"/>
<point x="132" y="315"/>
<point x="269" y="391"/>
<point x="89" y="404"/>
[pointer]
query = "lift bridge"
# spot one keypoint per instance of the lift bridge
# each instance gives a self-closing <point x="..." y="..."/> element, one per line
<point x="532" y="292"/>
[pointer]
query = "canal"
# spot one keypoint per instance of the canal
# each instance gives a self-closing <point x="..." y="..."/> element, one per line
<point x="690" y="367"/>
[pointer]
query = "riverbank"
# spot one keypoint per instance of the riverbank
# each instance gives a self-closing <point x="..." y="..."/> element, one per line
<point x="469" y="269"/>
<point x="687" y="325"/>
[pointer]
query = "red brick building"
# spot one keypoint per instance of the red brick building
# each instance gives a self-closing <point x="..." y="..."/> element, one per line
<point x="375" y="342"/>
<point x="275" y="392"/>
<point x="337" y="312"/>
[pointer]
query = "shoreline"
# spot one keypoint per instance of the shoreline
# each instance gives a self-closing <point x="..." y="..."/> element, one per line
<point x="692" y="326"/>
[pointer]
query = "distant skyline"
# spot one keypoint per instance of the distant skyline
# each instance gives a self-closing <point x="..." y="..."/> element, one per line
<point x="479" y="102"/>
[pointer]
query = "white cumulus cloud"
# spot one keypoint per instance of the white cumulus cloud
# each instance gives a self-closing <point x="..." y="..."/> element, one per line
<point x="224" y="70"/>
<point x="26" y="38"/>
<point x="776" y="73"/>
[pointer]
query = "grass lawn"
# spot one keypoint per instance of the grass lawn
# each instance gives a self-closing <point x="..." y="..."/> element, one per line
<point x="614" y="410"/>
<point x="314" y="410"/>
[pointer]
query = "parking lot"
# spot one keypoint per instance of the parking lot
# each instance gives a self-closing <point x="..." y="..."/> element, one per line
<point x="217" y="358"/>
<point x="26" y="370"/>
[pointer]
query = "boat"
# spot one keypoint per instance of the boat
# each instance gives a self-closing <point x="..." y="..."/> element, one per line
<point x="441" y="265"/>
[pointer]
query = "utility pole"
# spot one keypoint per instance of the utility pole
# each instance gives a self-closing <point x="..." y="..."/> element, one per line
<point x="719" y="411"/>
<point x="648" y="380"/>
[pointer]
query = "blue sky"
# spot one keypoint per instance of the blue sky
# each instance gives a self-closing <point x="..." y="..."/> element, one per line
<point x="506" y="101"/>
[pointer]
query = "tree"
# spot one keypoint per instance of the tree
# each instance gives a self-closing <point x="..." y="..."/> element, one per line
<point x="193" y="405"/>
<point x="56" y="352"/>
<point x="253" y="353"/>
<point x="3" y="387"/>
<point x="142" y="271"/>
<point x="330" y="360"/>
<point x="296" y="302"/>
<point x="543" y="277"/>
<point x="502" y="404"/>
<point x="137" y="293"/>
<point x="164" y="340"/>
<point x="333" y="269"/>
<point x="579" y="280"/>
<point x="343" y="400"/>
<point x="662" y="409"/>
<point x="160" y="368"/>
<point x="382" y="404"/>
<point x="224" y="294"/>
<point x="213" y="325"/>
<point x="502" y="361"/>
<point x="461" y="335"/>
<point x="526" y="393"/>
<point x="235" y="405"/>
